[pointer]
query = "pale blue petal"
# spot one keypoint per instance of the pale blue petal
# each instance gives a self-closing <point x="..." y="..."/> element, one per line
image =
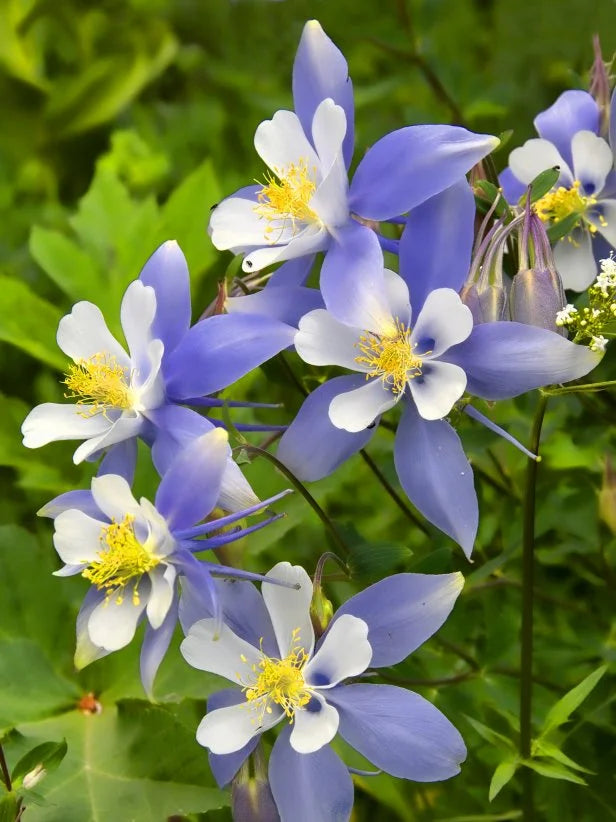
<point x="167" y="272"/>
<point x="286" y="304"/>
<point x="573" y="111"/>
<point x="155" y="644"/>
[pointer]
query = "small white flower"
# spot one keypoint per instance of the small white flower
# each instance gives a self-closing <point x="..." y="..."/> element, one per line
<point x="565" y="316"/>
<point x="598" y="343"/>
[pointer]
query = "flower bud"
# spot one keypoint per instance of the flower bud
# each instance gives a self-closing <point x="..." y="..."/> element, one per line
<point x="251" y="796"/>
<point x="34" y="776"/>
<point x="607" y="496"/>
<point x="600" y="86"/>
<point x="321" y="611"/>
<point x="536" y="297"/>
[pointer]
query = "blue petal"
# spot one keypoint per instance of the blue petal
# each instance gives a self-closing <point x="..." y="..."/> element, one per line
<point x="512" y="187"/>
<point x="573" y="111"/>
<point x="313" y="787"/>
<point x="352" y="279"/>
<point x="412" y="164"/>
<point x="287" y="304"/>
<point x="613" y="121"/>
<point x="167" y="272"/>
<point x="120" y="459"/>
<point x="219" y="350"/>
<point x="225" y="766"/>
<point x="436" y="475"/>
<point x="320" y="71"/>
<point x="155" y="645"/>
<point x="190" y="487"/>
<point x="82" y="500"/>
<point x="435" y="247"/>
<point x="402" y="612"/>
<point x="504" y="359"/>
<point x="312" y="447"/>
<point x="293" y="272"/>
<point x="175" y="428"/>
<point x="398" y="731"/>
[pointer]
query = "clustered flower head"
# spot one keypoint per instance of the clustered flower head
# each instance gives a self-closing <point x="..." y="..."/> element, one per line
<point x="428" y="339"/>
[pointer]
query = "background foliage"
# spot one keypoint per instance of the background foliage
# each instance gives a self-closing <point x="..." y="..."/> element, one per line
<point x="123" y="122"/>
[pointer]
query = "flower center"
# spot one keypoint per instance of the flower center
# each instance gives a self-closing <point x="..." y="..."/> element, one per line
<point x="280" y="681"/>
<point x="286" y="197"/>
<point x="557" y="205"/>
<point x="123" y="558"/>
<point x="390" y="357"/>
<point x="101" y="382"/>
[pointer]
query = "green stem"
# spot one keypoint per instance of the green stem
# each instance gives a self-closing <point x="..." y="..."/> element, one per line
<point x="393" y="493"/>
<point x="329" y="525"/>
<point x="6" y="776"/>
<point x="577" y="389"/>
<point x="526" y="636"/>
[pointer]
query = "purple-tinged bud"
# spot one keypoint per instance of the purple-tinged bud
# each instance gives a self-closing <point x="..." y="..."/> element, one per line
<point x="251" y="796"/>
<point x="486" y="288"/>
<point x="600" y="86"/>
<point x="607" y="496"/>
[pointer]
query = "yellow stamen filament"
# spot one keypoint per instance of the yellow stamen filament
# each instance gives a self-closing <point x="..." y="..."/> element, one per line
<point x="122" y="559"/>
<point x="280" y="682"/>
<point x="557" y="205"/>
<point x="286" y="197"/>
<point x="100" y="382"/>
<point x="390" y="357"/>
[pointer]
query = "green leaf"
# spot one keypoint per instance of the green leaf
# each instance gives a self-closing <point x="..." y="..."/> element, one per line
<point x="29" y="322"/>
<point x="70" y="268"/>
<point x="48" y="755"/>
<point x="541" y="747"/>
<point x="8" y="808"/>
<point x="542" y="184"/>
<point x="376" y="559"/>
<point x="501" y="776"/>
<point x="493" y="737"/>
<point x="553" y="770"/>
<point x="562" y="227"/>
<point x="562" y="710"/>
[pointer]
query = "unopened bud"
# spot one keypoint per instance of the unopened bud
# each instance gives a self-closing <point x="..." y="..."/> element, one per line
<point x="321" y="611"/>
<point x="607" y="496"/>
<point x="536" y="297"/>
<point x="600" y="86"/>
<point x="251" y="796"/>
<point x="34" y="776"/>
<point x="487" y="301"/>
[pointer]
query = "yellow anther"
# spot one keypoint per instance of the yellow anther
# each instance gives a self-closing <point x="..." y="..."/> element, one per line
<point x="390" y="357"/>
<point x="100" y="382"/>
<point x="122" y="559"/>
<point x="557" y="205"/>
<point x="280" y="682"/>
<point x="286" y="197"/>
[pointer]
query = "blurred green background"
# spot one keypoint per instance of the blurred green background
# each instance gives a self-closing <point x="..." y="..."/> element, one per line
<point x="123" y="123"/>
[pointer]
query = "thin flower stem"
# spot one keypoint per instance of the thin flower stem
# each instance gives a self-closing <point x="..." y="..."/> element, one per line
<point x="6" y="776"/>
<point x="526" y="636"/>
<point x="327" y="522"/>
<point x="408" y="513"/>
<point x="579" y="389"/>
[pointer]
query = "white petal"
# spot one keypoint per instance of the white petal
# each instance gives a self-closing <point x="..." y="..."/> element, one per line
<point x="114" y="497"/>
<point x="329" y="127"/>
<point x="84" y="333"/>
<point x="223" y="653"/>
<point x="152" y="389"/>
<point x="440" y="386"/>
<point x="112" y="624"/>
<point x="281" y="142"/>
<point x="314" y="728"/>
<point x="289" y="608"/>
<point x="126" y="426"/>
<point x="162" y="579"/>
<point x="535" y="156"/>
<point x="330" y="201"/>
<point x="77" y="537"/>
<point x="355" y="410"/>
<point x="52" y="421"/>
<point x="397" y="292"/>
<point x="235" y="224"/>
<point x="136" y="315"/>
<point x="606" y="226"/>
<point x="443" y="321"/>
<point x="235" y="491"/>
<point x="160" y="541"/>
<point x="592" y="161"/>
<point x="227" y="730"/>
<point x="322" y="340"/>
<point x="575" y="261"/>
<point x="312" y="239"/>
<point x="345" y="652"/>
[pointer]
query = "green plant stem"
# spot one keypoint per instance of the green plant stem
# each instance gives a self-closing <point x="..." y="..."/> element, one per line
<point x="329" y="525"/>
<point x="6" y="776"/>
<point x="526" y="636"/>
<point x="589" y="388"/>
<point x="408" y="513"/>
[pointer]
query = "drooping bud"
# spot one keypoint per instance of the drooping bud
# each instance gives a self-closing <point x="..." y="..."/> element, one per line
<point x="607" y="496"/>
<point x="251" y="795"/>
<point x="321" y="609"/>
<point x="600" y="86"/>
<point x="486" y="288"/>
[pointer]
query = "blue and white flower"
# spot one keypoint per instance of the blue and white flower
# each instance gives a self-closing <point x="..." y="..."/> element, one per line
<point x="133" y="552"/>
<point x="281" y="673"/>
<point x="586" y="188"/>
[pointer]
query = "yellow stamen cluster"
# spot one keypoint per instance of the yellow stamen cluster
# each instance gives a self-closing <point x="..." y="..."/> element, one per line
<point x="100" y="382"/>
<point x="286" y="197"/>
<point x="280" y="681"/>
<point x="122" y="559"/>
<point x="557" y="205"/>
<point x="390" y="357"/>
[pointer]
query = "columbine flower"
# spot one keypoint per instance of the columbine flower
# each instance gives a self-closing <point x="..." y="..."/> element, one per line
<point x="306" y="205"/>
<point x="132" y="552"/>
<point x="427" y="363"/>
<point x="280" y="674"/>
<point x="585" y="193"/>
<point x="119" y="396"/>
